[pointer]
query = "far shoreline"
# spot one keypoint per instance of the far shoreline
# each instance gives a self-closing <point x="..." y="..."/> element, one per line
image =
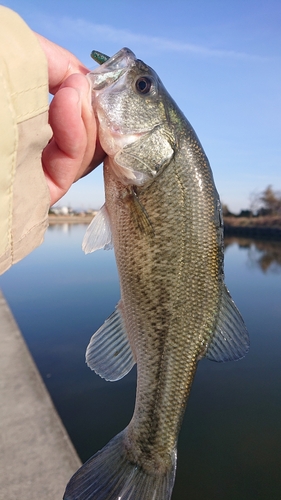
<point x="250" y="227"/>
<point x="262" y="227"/>
<point x="70" y="219"/>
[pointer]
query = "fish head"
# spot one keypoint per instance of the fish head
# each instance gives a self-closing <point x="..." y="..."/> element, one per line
<point x="130" y="103"/>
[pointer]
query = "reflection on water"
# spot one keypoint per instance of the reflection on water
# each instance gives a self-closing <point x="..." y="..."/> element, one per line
<point x="261" y="253"/>
<point x="229" y="445"/>
<point x="66" y="227"/>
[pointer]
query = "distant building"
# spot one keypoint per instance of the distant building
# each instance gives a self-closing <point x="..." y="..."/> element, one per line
<point x="61" y="211"/>
<point x="64" y="211"/>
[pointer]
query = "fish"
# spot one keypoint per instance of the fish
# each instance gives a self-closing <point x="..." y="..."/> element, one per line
<point x="162" y="214"/>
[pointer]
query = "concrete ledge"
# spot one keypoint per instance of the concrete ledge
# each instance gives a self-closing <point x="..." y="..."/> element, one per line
<point x="37" y="458"/>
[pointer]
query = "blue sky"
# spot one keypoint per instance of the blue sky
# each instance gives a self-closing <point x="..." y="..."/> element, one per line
<point x="220" y="61"/>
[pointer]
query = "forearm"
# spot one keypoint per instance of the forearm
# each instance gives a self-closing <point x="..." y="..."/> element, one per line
<point x="24" y="132"/>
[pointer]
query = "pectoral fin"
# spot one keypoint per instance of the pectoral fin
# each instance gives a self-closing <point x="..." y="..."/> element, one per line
<point x="139" y="214"/>
<point x="230" y="340"/>
<point x="109" y="352"/>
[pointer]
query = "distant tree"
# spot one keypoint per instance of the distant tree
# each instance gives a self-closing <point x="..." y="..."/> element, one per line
<point x="245" y="213"/>
<point x="271" y="201"/>
<point x="255" y="203"/>
<point x="268" y="202"/>
<point x="225" y="210"/>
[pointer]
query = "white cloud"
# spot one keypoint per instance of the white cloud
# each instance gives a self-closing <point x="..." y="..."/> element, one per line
<point x="87" y="31"/>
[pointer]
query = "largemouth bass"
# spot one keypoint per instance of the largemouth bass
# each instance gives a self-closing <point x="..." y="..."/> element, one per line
<point x="163" y="216"/>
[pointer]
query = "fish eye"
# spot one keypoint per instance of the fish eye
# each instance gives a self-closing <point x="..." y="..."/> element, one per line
<point x="143" y="84"/>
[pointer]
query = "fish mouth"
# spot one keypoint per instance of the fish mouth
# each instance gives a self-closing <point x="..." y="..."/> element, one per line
<point x="111" y="70"/>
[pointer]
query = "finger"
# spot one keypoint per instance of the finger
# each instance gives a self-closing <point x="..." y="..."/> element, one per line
<point x="97" y="159"/>
<point x="61" y="63"/>
<point x="63" y="156"/>
<point x="81" y="83"/>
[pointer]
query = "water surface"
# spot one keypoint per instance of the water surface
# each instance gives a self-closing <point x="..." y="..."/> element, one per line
<point x="230" y="442"/>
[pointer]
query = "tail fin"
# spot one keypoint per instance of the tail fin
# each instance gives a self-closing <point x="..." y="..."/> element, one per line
<point x="108" y="475"/>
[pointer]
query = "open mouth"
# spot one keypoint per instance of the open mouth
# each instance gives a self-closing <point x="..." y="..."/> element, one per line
<point x="111" y="70"/>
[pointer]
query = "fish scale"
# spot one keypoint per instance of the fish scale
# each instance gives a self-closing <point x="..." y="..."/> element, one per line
<point x="162" y="214"/>
<point x="160" y="260"/>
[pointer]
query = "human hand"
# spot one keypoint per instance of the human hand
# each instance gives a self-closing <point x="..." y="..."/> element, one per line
<point x="74" y="149"/>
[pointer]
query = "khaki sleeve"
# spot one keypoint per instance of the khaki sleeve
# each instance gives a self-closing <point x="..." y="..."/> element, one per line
<point x="24" y="132"/>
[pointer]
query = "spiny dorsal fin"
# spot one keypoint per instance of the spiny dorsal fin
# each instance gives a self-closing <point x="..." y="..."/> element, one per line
<point x="230" y="340"/>
<point x="109" y="352"/>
